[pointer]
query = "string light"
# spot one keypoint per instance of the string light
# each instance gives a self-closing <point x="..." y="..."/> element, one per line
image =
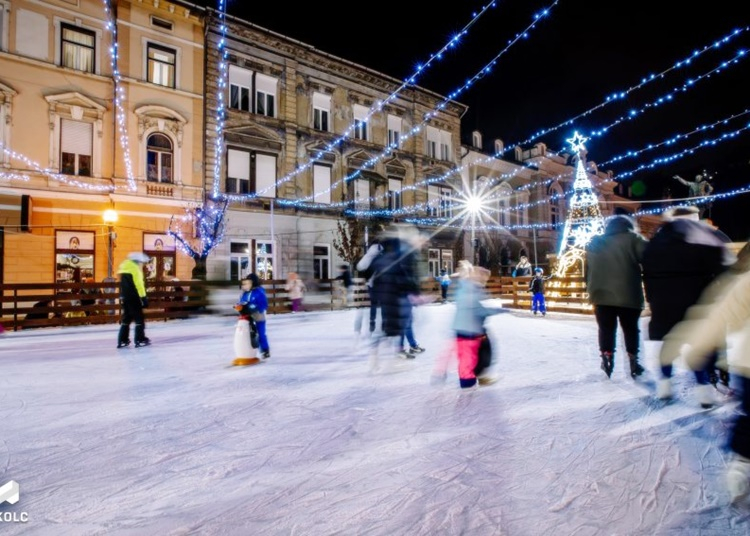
<point x="428" y="116"/>
<point x="620" y="95"/>
<point x="221" y="106"/>
<point x="121" y="118"/>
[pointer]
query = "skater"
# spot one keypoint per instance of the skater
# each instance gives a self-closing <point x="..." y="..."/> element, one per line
<point x="345" y="276"/>
<point x="445" y="280"/>
<point x="296" y="289"/>
<point x="613" y="281"/>
<point x="680" y="262"/>
<point x="255" y="304"/>
<point x="364" y="267"/>
<point x="706" y="329"/>
<point x="393" y="282"/>
<point x="536" y="286"/>
<point x="469" y="320"/>
<point x="133" y="300"/>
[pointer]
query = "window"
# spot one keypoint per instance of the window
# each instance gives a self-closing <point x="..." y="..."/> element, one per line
<point x="555" y="205"/>
<point x="74" y="256"/>
<point x="476" y="140"/>
<point x="264" y="260"/>
<point x="394" y="131"/>
<point x="265" y="95"/>
<point x="321" y="261"/>
<point x="3" y="29"/>
<point x="433" y="138"/>
<point x="250" y="172"/>
<point x="321" y="184"/>
<point x="360" y="122"/>
<point x="239" y="260"/>
<point x="159" y="158"/>
<point x="161" y="63"/>
<point x="238" y="172"/>
<point x="240" y="82"/>
<point x="361" y="193"/>
<point x="394" y="194"/>
<point x="321" y="112"/>
<point x="440" y="201"/>
<point x="75" y="147"/>
<point x="161" y="23"/>
<point x="445" y="146"/>
<point x="162" y="252"/>
<point x="78" y="48"/>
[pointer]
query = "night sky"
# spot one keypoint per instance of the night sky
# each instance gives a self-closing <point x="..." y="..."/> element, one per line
<point x="567" y="65"/>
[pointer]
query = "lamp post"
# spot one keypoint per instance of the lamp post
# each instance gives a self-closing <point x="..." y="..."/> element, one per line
<point x="110" y="218"/>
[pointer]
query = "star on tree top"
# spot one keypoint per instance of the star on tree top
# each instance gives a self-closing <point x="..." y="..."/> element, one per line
<point x="577" y="142"/>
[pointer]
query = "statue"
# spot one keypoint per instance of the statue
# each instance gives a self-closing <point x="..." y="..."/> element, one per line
<point x="700" y="187"/>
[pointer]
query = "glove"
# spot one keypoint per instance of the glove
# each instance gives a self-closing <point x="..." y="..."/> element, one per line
<point x="144" y="302"/>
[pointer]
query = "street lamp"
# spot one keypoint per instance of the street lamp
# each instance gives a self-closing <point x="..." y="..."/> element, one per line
<point x="110" y="218"/>
<point x="474" y="207"/>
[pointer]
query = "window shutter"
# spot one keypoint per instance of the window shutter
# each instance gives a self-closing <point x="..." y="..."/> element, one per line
<point x="266" y="84"/>
<point x="321" y="101"/>
<point x="322" y="184"/>
<point x="76" y="137"/>
<point x="265" y="175"/>
<point x="238" y="166"/>
<point x="240" y="77"/>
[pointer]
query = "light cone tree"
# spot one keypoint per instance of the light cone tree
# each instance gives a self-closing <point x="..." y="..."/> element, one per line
<point x="584" y="219"/>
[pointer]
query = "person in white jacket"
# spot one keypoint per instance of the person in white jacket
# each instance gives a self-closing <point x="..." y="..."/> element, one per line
<point x="705" y="328"/>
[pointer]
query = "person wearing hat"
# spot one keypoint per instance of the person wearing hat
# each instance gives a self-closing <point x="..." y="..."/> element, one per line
<point x="536" y="287"/>
<point x="133" y="300"/>
<point x="253" y="302"/>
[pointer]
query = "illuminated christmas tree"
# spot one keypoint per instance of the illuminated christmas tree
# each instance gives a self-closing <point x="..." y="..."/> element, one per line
<point x="199" y="231"/>
<point x="584" y="219"/>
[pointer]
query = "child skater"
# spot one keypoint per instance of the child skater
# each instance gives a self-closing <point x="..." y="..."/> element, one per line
<point x="536" y="286"/>
<point x="255" y="304"/>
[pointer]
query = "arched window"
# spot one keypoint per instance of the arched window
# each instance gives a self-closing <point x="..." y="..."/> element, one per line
<point x="159" y="158"/>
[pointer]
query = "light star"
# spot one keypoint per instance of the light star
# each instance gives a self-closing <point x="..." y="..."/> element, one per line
<point x="577" y="142"/>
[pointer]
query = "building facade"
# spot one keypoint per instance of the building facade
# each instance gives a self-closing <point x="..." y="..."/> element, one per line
<point x="66" y="159"/>
<point x="310" y="140"/>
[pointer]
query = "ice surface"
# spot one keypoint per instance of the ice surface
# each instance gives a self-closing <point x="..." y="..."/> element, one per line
<point x="172" y="440"/>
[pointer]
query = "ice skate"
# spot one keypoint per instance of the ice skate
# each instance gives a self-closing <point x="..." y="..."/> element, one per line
<point x="486" y="380"/>
<point x="607" y="363"/>
<point x="143" y="342"/>
<point x="664" y="389"/>
<point x="123" y="344"/>
<point x="705" y="396"/>
<point x="635" y="368"/>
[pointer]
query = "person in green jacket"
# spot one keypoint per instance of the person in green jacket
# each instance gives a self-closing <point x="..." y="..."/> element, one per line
<point x="133" y="300"/>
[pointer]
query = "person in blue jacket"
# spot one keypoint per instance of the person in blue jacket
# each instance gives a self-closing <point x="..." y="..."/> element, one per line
<point x="255" y="304"/>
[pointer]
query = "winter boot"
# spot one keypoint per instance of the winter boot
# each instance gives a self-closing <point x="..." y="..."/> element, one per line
<point x="608" y="363"/>
<point x="635" y="368"/>
<point x="123" y="337"/>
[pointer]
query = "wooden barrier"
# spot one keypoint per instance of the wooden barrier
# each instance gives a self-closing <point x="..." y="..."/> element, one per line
<point x="30" y="305"/>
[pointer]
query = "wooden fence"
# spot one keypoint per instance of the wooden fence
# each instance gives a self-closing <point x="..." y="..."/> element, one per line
<point x="34" y="305"/>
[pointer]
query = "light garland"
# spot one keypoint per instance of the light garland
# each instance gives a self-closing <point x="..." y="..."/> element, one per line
<point x="221" y="106"/>
<point x="389" y="149"/>
<point x="121" y="118"/>
<point x="620" y="95"/>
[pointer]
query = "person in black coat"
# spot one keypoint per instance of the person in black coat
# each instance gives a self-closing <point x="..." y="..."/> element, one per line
<point x="394" y="280"/>
<point x="682" y="259"/>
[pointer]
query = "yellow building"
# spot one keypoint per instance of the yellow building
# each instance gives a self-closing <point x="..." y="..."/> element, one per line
<point x="65" y="157"/>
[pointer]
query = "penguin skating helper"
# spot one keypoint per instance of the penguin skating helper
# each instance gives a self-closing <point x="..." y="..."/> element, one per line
<point x="243" y="350"/>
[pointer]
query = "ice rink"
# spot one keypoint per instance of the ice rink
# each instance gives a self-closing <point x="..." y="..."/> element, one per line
<point x="172" y="440"/>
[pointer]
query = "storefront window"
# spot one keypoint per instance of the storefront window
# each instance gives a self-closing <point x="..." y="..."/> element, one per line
<point x="74" y="256"/>
<point x="162" y="251"/>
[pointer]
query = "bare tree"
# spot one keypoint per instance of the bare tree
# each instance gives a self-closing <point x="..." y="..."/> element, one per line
<point x="199" y="231"/>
